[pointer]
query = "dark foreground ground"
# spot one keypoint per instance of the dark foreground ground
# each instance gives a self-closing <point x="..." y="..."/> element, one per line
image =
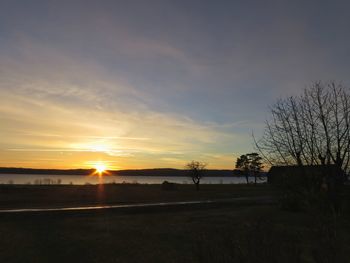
<point x="225" y="232"/>
<point x="34" y="196"/>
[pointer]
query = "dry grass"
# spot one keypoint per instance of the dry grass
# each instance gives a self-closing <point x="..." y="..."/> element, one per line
<point x="12" y="196"/>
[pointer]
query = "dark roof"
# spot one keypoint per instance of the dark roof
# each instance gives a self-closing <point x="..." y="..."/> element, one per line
<point x="309" y="169"/>
<point x="305" y="175"/>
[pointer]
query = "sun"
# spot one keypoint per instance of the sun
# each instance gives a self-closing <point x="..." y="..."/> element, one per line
<point x="100" y="168"/>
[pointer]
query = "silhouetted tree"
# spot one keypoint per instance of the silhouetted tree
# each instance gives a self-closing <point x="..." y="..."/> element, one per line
<point x="196" y="170"/>
<point x="256" y="165"/>
<point x="310" y="129"/>
<point x="242" y="163"/>
<point x="250" y="164"/>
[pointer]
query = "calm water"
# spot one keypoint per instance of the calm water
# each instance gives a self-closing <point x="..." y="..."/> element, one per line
<point x="81" y="179"/>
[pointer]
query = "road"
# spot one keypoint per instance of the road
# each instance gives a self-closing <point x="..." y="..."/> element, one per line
<point x="255" y="200"/>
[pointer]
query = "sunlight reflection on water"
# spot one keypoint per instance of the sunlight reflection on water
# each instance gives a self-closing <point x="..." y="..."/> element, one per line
<point x="82" y="180"/>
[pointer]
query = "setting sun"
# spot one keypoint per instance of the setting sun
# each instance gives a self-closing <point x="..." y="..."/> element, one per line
<point x="100" y="168"/>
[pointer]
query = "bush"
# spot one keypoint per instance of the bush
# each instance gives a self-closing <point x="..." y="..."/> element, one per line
<point x="168" y="186"/>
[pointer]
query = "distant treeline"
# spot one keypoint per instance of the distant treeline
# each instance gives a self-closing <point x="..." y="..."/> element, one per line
<point x="5" y="170"/>
<point x="139" y="172"/>
<point x="176" y="172"/>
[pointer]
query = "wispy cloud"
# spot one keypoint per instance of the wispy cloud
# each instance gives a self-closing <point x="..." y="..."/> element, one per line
<point x="46" y="108"/>
<point x="144" y="84"/>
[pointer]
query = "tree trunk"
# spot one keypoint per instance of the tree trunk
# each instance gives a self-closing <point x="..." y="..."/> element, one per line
<point x="197" y="186"/>
<point x="247" y="178"/>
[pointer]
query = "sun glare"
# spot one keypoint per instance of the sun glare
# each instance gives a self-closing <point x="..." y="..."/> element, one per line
<point x="100" y="168"/>
<point x="100" y="148"/>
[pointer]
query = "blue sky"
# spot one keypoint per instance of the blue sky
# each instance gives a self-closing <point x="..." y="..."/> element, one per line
<point x="156" y="83"/>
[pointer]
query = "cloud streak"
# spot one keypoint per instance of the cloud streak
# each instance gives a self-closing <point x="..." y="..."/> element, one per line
<point x="157" y="83"/>
<point x="45" y="110"/>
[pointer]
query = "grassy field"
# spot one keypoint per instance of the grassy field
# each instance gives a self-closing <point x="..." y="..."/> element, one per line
<point x="24" y="196"/>
<point x="225" y="233"/>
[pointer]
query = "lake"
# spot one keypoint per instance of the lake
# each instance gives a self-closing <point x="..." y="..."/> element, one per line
<point x="89" y="179"/>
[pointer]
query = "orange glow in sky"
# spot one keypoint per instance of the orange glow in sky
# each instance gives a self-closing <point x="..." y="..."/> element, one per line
<point x="129" y="86"/>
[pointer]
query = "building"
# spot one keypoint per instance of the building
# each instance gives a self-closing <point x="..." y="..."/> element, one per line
<point x="309" y="176"/>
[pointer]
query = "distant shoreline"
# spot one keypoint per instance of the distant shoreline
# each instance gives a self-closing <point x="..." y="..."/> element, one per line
<point x="136" y="172"/>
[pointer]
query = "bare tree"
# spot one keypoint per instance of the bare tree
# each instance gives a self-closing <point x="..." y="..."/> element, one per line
<point x="313" y="128"/>
<point x="196" y="170"/>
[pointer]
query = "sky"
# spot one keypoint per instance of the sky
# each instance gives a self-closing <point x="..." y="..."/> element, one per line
<point x="156" y="83"/>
